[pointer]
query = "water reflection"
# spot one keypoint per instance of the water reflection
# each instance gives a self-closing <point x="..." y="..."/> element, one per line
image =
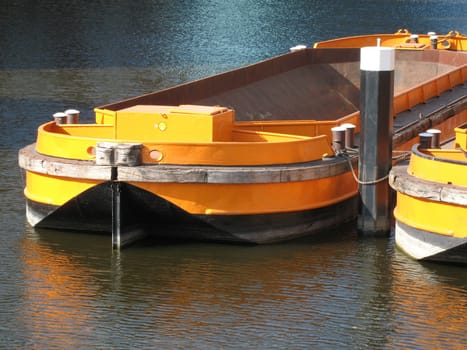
<point x="311" y="292"/>
<point x="58" y="295"/>
<point x="430" y="302"/>
<point x="70" y="291"/>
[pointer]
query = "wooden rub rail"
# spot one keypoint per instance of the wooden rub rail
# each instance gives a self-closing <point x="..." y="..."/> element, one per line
<point x="30" y="160"/>
<point x="420" y="188"/>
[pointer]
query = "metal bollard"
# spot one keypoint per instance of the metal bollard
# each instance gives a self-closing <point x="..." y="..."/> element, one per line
<point x="349" y="135"/>
<point x="60" y="118"/>
<point x="72" y="116"/>
<point x="425" y="139"/>
<point x="414" y="38"/>
<point x="434" y="41"/>
<point x="338" y="138"/>
<point x="435" y="137"/>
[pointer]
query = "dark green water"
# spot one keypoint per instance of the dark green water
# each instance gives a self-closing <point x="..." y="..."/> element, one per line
<point x="61" y="290"/>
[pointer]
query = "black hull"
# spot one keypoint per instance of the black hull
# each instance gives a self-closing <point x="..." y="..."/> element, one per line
<point x="144" y="212"/>
<point x="454" y="255"/>
<point x="428" y="246"/>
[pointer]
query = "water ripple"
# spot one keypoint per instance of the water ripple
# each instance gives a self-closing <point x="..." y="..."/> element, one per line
<point x="63" y="290"/>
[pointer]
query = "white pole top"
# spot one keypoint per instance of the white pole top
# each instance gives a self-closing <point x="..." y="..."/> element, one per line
<point x="297" y="48"/>
<point x="347" y="126"/>
<point x="377" y="58"/>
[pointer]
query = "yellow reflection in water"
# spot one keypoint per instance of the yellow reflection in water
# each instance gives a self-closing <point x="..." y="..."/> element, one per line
<point x="431" y="311"/>
<point x="57" y="296"/>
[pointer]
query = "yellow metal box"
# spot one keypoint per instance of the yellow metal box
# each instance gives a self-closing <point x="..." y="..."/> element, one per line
<point x="185" y="123"/>
<point x="461" y="136"/>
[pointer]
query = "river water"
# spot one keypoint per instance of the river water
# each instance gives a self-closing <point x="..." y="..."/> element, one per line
<point x="62" y="290"/>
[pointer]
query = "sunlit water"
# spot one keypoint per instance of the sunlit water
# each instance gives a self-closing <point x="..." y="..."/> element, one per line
<point x="61" y="290"/>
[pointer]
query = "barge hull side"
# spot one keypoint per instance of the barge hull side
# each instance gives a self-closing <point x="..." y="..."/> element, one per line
<point x="92" y="211"/>
<point x="424" y="245"/>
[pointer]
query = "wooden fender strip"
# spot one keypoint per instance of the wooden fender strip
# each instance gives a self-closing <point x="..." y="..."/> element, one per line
<point x="32" y="161"/>
<point x="413" y="186"/>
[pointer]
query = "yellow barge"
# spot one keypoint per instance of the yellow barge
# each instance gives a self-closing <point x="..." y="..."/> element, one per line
<point x="242" y="156"/>
<point x="431" y="211"/>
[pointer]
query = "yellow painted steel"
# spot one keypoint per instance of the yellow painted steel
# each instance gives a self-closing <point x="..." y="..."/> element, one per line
<point x="54" y="190"/>
<point x="364" y="40"/>
<point x="186" y="135"/>
<point x="255" y="198"/>
<point x="308" y="128"/>
<point x="104" y="116"/>
<point x="436" y="217"/>
<point x="183" y="123"/>
<point x="190" y="135"/>
<point x="167" y="131"/>
<point x="71" y="141"/>
<point x="292" y="149"/>
<point x="440" y="171"/>
<point x="200" y="198"/>
<point x="400" y="40"/>
<point x="461" y="136"/>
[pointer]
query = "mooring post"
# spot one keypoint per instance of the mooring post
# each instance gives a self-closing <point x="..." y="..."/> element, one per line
<point x="116" y="215"/>
<point x="116" y="210"/>
<point x="376" y="123"/>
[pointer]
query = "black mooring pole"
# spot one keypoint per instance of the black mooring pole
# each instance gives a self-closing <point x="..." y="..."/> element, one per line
<point x="376" y="122"/>
<point x="116" y="210"/>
